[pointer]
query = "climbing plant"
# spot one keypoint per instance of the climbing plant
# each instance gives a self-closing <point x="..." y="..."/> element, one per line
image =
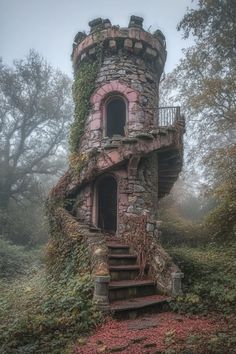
<point x="84" y="84"/>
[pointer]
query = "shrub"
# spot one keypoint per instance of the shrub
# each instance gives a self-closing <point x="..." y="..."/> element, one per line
<point x="41" y="315"/>
<point x="209" y="282"/>
<point x="221" y="221"/>
<point x="176" y="230"/>
<point x="15" y="260"/>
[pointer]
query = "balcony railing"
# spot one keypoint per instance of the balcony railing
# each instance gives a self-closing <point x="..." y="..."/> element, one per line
<point x="168" y="116"/>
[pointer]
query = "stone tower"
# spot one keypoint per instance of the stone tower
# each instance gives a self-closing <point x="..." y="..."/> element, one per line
<point x="126" y="154"/>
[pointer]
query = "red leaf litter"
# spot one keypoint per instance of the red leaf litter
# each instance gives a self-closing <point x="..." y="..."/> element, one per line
<point x="147" y="334"/>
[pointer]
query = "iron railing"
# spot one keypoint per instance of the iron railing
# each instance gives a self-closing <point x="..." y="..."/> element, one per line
<point x="168" y="116"/>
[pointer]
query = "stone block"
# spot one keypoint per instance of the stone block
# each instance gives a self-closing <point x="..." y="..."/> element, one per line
<point x="136" y="21"/>
<point x="112" y="44"/>
<point x="138" y="188"/>
<point x="94" y="24"/>
<point x="83" y="56"/>
<point x="134" y="33"/>
<point x="107" y="23"/>
<point x="138" y="47"/>
<point x="132" y="96"/>
<point x="130" y="209"/>
<point x="151" y="52"/>
<point x="92" y="51"/>
<point x="128" y="44"/>
<point x="150" y="227"/>
<point x="95" y="124"/>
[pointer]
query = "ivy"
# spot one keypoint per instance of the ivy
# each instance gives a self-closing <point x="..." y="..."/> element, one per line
<point x="77" y="162"/>
<point x="83" y="87"/>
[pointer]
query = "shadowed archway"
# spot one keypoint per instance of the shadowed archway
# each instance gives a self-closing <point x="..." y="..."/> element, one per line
<point x="107" y="203"/>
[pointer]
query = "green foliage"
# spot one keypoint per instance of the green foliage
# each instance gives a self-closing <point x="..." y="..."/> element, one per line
<point x="67" y="257"/>
<point x="213" y="21"/>
<point x="83" y="87"/>
<point x="178" y="228"/>
<point x="15" y="260"/>
<point x="221" y="222"/>
<point x="46" y="311"/>
<point x="44" y="316"/>
<point x="205" y="85"/>
<point x="24" y="223"/>
<point x="209" y="283"/>
<point x="222" y="342"/>
<point x="67" y="253"/>
<point x="52" y="310"/>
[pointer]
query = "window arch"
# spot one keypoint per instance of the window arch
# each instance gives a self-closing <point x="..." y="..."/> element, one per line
<point x="115" y="116"/>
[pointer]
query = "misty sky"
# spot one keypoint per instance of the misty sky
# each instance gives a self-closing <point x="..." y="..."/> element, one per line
<point x="49" y="26"/>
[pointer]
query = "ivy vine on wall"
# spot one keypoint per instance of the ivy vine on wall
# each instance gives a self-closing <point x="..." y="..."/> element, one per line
<point x="84" y="85"/>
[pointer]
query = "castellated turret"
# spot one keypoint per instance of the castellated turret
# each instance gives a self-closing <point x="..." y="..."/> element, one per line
<point x="126" y="154"/>
<point x="125" y="99"/>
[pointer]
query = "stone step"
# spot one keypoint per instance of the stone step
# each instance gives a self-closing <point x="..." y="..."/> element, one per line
<point x="153" y="303"/>
<point x="94" y="229"/>
<point x="118" y="248"/>
<point x="122" y="259"/>
<point x="124" y="272"/>
<point x="126" y="289"/>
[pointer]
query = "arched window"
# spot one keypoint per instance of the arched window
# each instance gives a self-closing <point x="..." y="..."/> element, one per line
<point x="115" y="116"/>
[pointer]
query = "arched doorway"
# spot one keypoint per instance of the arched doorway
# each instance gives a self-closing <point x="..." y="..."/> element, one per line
<point x="107" y="203"/>
<point x="115" y="116"/>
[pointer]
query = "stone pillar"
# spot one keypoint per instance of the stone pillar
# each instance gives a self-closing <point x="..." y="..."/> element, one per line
<point x="176" y="288"/>
<point x="100" y="296"/>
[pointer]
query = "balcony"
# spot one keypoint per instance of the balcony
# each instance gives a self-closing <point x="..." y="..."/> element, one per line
<point x="169" y="116"/>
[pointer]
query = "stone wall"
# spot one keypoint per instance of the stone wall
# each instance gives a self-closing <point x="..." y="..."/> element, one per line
<point x="83" y="205"/>
<point x="131" y="62"/>
<point x="137" y="195"/>
<point x="140" y="92"/>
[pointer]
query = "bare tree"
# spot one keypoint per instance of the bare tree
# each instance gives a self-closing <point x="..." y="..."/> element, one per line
<point x="35" y="112"/>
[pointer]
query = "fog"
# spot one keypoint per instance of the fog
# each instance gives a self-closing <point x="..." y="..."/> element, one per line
<point x="49" y="26"/>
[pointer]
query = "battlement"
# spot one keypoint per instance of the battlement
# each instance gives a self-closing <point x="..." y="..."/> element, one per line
<point x="133" y="39"/>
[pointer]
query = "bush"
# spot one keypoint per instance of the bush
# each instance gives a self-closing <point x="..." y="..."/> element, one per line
<point x="209" y="283"/>
<point x="15" y="260"/>
<point x="221" y="221"/>
<point x="176" y="230"/>
<point x="41" y="315"/>
<point x="43" y="312"/>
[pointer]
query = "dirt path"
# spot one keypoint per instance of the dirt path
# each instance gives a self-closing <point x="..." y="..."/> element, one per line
<point x="151" y="334"/>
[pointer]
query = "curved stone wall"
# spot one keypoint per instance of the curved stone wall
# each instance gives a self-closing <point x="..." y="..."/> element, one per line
<point x="131" y="63"/>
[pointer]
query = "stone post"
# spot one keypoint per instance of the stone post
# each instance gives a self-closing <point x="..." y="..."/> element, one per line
<point x="100" y="296"/>
<point x="176" y="288"/>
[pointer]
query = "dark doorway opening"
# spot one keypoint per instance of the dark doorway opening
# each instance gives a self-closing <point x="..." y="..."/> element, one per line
<point x="107" y="203"/>
<point x="116" y="117"/>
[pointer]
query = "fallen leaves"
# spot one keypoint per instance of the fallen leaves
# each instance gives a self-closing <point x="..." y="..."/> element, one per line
<point x="128" y="336"/>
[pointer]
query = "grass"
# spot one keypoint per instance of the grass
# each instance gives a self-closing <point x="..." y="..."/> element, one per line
<point x="41" y="315"/>
<point x="209" y="283"/>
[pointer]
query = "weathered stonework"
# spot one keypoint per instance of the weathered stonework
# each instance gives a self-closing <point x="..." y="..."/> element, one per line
<point x="122" y="175"/>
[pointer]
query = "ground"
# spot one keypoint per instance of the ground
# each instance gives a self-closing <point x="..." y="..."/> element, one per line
<point x="166" y="332"/>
